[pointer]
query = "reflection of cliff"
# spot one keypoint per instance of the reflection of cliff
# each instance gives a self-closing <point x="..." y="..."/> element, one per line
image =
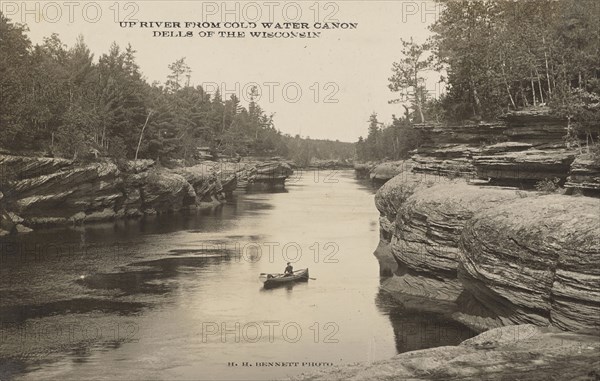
<point x="46" y="191"/>
<point x="493" y="256"/>
<point x="414" y="329"/>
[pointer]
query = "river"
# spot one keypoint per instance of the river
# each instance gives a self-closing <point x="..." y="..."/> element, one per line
<point x="179" y="297"/>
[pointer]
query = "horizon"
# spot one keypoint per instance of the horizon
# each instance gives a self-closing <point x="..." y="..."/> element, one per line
<point x="299" y="79"/>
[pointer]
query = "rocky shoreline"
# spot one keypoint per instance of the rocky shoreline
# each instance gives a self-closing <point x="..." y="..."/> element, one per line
<point x="521" y="352"/>
<point x="466" y="231"/>
<point x="494" y="254"/>
<point x="40" y="192"/>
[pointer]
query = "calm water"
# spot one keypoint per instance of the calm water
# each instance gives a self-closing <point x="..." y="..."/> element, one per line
<point x="178" y="297"/>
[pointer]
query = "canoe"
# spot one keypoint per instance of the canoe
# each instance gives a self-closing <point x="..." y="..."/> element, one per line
<point x="274" y="280"/>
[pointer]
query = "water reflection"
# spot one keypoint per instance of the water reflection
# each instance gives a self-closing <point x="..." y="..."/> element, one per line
<point x="414" y="330"/>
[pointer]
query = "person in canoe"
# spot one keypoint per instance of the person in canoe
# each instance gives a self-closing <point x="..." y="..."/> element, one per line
<point x="289" y="270"/>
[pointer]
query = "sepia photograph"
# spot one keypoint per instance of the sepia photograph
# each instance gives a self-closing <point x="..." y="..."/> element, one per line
<point x="304" y="190"/>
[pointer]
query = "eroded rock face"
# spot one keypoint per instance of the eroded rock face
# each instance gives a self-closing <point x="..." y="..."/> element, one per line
<point x="384" y="172"/>
<point x="70" y="194"/>
<point x="423" y="239"/>
<point x="521" y="352"/>
<point x="537" y="126"/>
<point x="15" y="168"/>
<point x="490" y="256"/>
<point x="395" y="192"/>
<point x="446" y="160"/>
<point x="47" y="191"/>
<point x="165" y="191"/>
<point x="467" y="133"/>
<point x="210" y="182"/>
<point x="272" y="173"/>
<point x="585" y="173"/>
<point x="529" y="165"/>
<point x="429" y="224"/>
<point x="536" y="260"/>
<point x="521" y="149"/>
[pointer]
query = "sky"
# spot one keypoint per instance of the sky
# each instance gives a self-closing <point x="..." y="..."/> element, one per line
<point x="324" y="87"/>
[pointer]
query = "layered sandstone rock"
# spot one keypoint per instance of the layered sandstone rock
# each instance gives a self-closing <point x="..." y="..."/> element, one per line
<point x="165" y="191"/>
<point x="585" y="173"/>
<point x="522" y="148"/>
<point x="440" y="240"/>
<point x="536" y="126"/>
<point x="451" y="160"/>
<point x="46" y="191"/>
<point x="272" y="173"/>
<point x="489" y="256"/>
<point x="387" y="200"/>
<point x="211" y="182"/>
<point x="448" y="150"/>
<point x="471" y="133"/>
<point x="521" y="352"/>
<point x="529" y="165"/>
<point x="536" y="260"/>
<point x="424" y="237"/>
<point x="430" y="222"/>
<point x="70" y="194"/>
<point x="384" y="172"/>
<point x="15" y="168"/>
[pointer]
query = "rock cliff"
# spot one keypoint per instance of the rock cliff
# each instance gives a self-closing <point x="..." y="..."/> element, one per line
<point x="46" y="191"/>
<point x="536" y="259"/>
<point x="520" y="149"/>
<point x="490" y="255"/>
<point x="494" y="256"/>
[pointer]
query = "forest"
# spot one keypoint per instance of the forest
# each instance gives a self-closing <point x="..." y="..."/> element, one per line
<point x="60" y="101"/>
<point x="495" y="56"/>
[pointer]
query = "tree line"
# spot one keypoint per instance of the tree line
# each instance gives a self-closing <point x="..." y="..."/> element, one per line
<point x="495" y="56"/>
<point x="59" y="101"/>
